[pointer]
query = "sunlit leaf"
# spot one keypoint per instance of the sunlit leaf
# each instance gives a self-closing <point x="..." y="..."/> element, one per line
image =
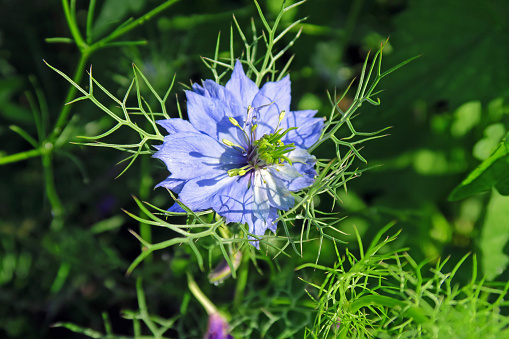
<point x="467" y="116"/>
<point x="495" y="236"/>
<point x="490" y="172"/>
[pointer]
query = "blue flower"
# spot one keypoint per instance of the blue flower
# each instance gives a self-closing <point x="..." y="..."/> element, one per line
<point x="242" y="151"/>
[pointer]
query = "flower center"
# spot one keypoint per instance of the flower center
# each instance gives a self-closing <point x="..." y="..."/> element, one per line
<point x="266" y="151"/>
<point x="270" y="150"/>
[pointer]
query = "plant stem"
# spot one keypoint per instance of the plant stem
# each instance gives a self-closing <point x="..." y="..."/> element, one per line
<point x="57" y="209"/>
<point x="142" y="304"/>
<point x="241" y="281"/>
<point x="134" y="24"/>
<point x="73" y="25"/>
<point x="144" y="191"/>
<point x="64" y="113"/>
<point x="20" y="156"/>
<point x="198" y="294"/>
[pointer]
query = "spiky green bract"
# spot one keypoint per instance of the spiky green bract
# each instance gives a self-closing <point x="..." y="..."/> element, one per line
<point x="127" y="117"/>
<point x="384" y="293"/>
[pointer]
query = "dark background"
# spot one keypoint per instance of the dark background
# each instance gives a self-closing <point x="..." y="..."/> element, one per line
<point x="76" y="272"/>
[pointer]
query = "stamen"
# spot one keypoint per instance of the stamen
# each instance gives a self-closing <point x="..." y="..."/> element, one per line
<point x="236" y="124"/>
<point x="281" y="117"/>
<point x="231" y="144"/>
<point x="239" y="171"/>
<point x="253" y="132"/>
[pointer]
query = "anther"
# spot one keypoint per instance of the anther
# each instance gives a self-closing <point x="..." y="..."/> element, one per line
<point x="234" y="122"/>
<point x="231" y="144"/>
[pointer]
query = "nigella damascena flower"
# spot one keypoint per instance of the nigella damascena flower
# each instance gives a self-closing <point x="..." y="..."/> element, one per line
<point x="242" y="151"/>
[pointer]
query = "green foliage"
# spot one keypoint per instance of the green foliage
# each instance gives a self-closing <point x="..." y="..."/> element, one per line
<point x="66" y="246"/>
<point x="492" y="172"/>
<point x="460" y="69"/>
<point x="156" y="325"/>
<point x="386" y="294"/>
<point x="333" y="173"/>
<point x="126" y="118"/>
<point x="494" y="236"/>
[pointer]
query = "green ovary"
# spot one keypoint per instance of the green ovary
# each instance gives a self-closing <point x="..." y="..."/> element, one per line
<point x="271" y="150"/>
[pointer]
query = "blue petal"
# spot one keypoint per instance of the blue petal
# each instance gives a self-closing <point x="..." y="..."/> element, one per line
<point x="261" y="206"/>
<point x="177" y="125"/>
<point x="230" y="201"/>
<point x="300" y="174"/>
<point x="175" y="208"/>
<point x="188" y="155"/>
<point x="308" y="128"/>
<point x="235" y="201"/>
<point x="200" y="193"/>
<point x="216" y="91"/>
<point x="269" y="102"/>
<point x="258" y="226"/>
<point x="211" y="116"/>
<point x="172" y="184"/>
<point x="243" y="88"/>
<point x="198" y="89"/>
<point x="269" y="191"/>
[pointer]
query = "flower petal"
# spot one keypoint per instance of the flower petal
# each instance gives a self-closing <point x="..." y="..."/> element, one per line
<point x="177" y="125"/>
<point x="230" y="201"/>
<point x="270" y="191"/>
<point x="300" y="174"/>
<point x="172" y="184"/>
<point x="189" y="155"/>
<point x="176" y="209"/>
<point x="211" y="116"/>
<point x="308" y="128"/>
<point x="258" y="226"/>
<point x="261" y="205"/>
<point x="198" y="89"/>
<point x="243" y="88"/>
<point x="199" y="193"/>
<point x="279" y="196"/>
<point x="269" y="102"/>
<point x="217" y="328"/>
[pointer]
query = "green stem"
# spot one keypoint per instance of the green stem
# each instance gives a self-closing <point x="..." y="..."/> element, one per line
<point x="86" y="50"/>
<point x="144" y="191"/>
<point x="64" y="113"/>
<point x="134" y="24"/>
<point x="142" y="304"/>
<point x="57" y="209"/>
<point x="90" y="18"/>
<point x="198" y="294"/>
<point x="241" y="280"/>
<point x="73" y="26"/>
<point x="20" y="156"/>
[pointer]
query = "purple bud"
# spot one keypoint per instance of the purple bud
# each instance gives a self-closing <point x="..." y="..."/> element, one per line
<point x="218" y="328"/>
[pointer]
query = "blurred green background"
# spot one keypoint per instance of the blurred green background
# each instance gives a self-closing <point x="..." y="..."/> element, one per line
<point x="448" y="111"/>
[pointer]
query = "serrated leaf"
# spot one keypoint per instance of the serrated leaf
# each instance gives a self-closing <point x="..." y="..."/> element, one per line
<point x="495" y="235"/>
<point x="491" y="172"/>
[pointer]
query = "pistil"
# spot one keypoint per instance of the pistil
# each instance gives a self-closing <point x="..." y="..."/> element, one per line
<point x="266" y="151"/>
